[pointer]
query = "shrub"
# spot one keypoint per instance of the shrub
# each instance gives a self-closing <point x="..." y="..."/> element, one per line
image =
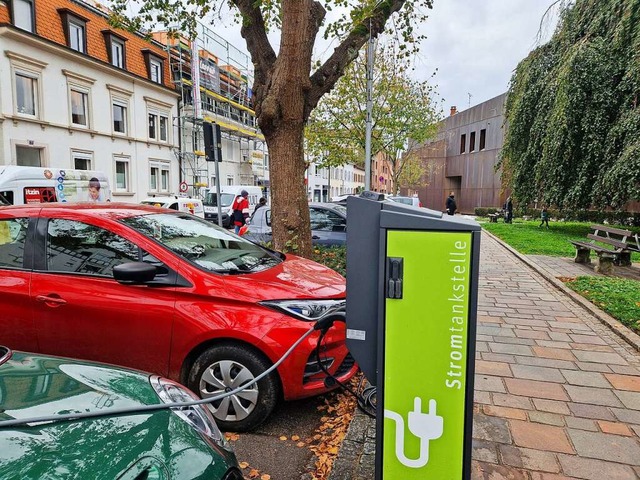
<point x="332" y="257"/>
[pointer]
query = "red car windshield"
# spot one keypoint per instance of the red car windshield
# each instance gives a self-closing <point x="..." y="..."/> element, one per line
<point x="204" y="243"/>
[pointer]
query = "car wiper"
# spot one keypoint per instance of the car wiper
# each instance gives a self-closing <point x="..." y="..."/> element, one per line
<point x="263" y="261"/>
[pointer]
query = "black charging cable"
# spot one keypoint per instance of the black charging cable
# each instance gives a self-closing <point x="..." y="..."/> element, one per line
<point x="366" y="399"/>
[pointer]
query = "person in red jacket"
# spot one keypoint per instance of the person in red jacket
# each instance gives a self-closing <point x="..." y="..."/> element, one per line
<point x="240" y="210"/>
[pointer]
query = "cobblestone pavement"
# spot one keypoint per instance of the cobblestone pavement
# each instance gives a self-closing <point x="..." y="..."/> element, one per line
<point x="557" y="393"/>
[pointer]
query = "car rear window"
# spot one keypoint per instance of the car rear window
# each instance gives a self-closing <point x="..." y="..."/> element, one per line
<point x="203" y="243"/>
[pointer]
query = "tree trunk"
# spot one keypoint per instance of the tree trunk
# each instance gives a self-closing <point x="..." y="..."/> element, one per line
<point x="282" y="117"/>
<point x="290" y="218"/>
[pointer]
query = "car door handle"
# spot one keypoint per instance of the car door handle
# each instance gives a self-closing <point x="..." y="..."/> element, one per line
<point x="51" y="300"/>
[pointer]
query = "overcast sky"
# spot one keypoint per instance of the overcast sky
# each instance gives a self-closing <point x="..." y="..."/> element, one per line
<point x="474" y="44"/>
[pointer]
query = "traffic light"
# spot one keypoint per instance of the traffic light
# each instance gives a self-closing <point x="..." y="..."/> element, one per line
<point x="212" y="141"/>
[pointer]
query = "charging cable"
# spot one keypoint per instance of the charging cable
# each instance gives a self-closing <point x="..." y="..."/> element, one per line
<point x="366" y="398"/>
<point x="326" y="320"/>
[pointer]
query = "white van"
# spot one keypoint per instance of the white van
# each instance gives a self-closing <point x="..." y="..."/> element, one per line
<point x="20" y="185"/>
<point x="181" y="204"/>
<point x="227" y="194"/>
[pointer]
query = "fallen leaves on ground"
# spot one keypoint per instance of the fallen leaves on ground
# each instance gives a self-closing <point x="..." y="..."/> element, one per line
<point x="325" y="444"/>
<point x="566" y="279"/>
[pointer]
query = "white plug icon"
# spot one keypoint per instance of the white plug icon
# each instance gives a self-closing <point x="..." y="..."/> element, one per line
<point x="425" y="426"/>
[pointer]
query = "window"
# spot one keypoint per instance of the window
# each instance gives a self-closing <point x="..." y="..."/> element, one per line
<point x="13" y="234"/>
<point x="122" y="174"/>
<point x="153" y="121"/>
<point x="153" y="183"/>
<point x="483" y="138"/>
<point x="75" y="29"/>
<point x="158" y="176"/>
<point x="23" y="15"/>
<point x="155" y="70"/>
<point x="28" y="156"/>
<point x="230" y="180"/>
<point x="326" y="220"/>
<point x="463" y="143"/>
<point x="119" y="117"/>
<point x="472" y="142"/>
<point x="158" y="127"/>
<point x="81" y="160"/>
<point x="164" y="180"/>
<point x="76" y="247"/>
<point x="79" y="107"/>
<point x="116" y="49"/>
<point x="164" y="128"/>
<point x="76" y="36"/>
<point x="117" y="53"/>
<point x="26" y="94"/>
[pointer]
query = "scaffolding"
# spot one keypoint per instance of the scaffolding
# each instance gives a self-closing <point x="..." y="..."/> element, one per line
<point x="214" y="79"/>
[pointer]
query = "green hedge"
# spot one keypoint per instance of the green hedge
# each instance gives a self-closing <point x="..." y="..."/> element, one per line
<point x="593" y="216"/>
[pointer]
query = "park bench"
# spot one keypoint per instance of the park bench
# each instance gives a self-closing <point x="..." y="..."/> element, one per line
<point x="612" y="245"/>
<point x="493" y="217"/>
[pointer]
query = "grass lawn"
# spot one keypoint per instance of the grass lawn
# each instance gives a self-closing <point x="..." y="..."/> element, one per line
<point x="529" y="239"/>
<point x="619" y="297"/>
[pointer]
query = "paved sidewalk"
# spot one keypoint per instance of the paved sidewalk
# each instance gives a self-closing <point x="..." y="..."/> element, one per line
<point x="557" y="392"/>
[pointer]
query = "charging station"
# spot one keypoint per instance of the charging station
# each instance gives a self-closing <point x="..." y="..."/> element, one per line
<point x="412" y="288"/>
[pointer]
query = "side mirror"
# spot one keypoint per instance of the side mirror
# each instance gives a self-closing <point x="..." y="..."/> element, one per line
<point x="134" y="273"/>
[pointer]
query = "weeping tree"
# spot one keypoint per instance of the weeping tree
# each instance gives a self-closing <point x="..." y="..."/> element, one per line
<point x="573" y="111"/>
<point x="403" y="115"/>
<point x="286" y="88"/>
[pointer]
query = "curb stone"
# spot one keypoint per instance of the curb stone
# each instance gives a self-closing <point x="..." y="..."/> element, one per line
<point x="618" y="328"/>
<point x="356" y="458"/>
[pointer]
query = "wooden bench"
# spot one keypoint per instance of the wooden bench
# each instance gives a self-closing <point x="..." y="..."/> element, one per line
<point x="493" y="217"/>
<point x="612" y="245"/>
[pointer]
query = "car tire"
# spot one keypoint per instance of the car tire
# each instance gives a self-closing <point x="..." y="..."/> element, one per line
<point x="225" y="367"/>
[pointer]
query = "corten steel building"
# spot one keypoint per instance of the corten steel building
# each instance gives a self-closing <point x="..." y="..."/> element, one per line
<point x="462" y="158"/>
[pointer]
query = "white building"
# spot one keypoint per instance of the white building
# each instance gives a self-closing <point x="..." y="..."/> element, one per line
<point x="325" y="183"/>
<point x="78" y="94"/>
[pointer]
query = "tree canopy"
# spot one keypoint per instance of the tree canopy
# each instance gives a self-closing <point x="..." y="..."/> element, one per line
<point x="403" y="114"/>
<point x="286" y="88"/>
<point x="572" y="111"/>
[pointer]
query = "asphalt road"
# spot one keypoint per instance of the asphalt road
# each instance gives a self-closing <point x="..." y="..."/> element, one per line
<point x="263" y="450"/>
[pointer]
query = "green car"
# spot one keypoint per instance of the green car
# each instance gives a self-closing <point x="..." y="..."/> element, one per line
<point x="154" y="445"/>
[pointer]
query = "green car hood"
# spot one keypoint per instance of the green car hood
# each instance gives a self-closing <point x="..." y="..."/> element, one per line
<point x="154" y="445"/>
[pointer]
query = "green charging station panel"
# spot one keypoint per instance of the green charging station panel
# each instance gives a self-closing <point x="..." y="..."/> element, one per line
<point x="424" y="438"/>
<point x="412" y="279"/>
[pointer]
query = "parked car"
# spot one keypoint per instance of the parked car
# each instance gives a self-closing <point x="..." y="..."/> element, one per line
<point x="328" y="224"/>
<point x="413" y="201"/>
<point x="193" y="206"/>
<point x="169" y="293"/>
<point x="161" y="444"/>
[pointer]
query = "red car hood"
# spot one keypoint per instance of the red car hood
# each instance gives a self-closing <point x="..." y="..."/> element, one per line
<point x="296" y="277"/>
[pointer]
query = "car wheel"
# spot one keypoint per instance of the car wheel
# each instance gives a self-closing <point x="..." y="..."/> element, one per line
<point x="226" y="367"/>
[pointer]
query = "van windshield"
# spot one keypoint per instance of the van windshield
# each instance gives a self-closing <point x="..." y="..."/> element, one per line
<point x="208" y="246"/>
<point x="226" y="199"/>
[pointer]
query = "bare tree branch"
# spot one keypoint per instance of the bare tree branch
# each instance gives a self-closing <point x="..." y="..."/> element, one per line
<point x="328" y="74"/>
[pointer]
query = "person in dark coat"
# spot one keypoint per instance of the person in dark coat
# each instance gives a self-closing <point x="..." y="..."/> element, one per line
<point x="451" y="204"/>
<point x="261" y="203"/>
<point x="509" y="209"/>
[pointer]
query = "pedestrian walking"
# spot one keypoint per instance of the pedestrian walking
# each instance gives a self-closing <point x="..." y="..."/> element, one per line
<point x="544" y="217"/>
<point x="451" y="204"/>
<point x="240" y="210"/>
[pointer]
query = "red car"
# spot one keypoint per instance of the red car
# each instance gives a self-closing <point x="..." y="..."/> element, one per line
<point x="172" y="294"/>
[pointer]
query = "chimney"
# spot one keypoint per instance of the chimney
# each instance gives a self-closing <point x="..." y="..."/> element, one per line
<point x="454" y="110"/>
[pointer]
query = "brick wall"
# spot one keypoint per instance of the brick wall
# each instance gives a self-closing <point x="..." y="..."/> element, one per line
<point x="49" y="26"/>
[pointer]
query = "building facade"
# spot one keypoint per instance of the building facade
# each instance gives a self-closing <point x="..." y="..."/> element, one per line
<point x="463" y="158"/>
<point x="78" y="94"/>
<point x="214" y="80"/>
